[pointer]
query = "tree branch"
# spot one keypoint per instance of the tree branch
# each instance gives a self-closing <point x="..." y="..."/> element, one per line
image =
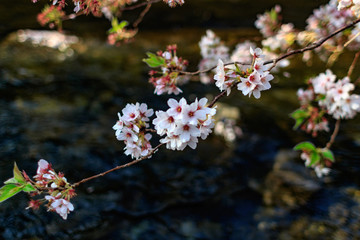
<point x="140" y="5"/>
<point x="141" y="16"/>
<point x="119" y="167"/>
<point x="290" y="53"/>
<point x="333" y="135"/>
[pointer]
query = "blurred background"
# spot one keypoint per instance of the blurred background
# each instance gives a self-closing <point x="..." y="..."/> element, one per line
<point x="59" y="102"/>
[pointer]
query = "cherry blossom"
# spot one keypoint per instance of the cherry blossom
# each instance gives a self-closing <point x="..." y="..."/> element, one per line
<point x="172" y="3"/>
<point x="168" y="79"/>
<point x="59" y="205"/>
<point x="211" y="49"/>
<point x="183" y="123"/>
<point x="131" y="128"/>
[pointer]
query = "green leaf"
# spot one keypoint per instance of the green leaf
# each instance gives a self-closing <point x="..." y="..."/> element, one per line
<point x="300" y="113"/>
<point x="326" y="153"/>
<point x="153" y="60"/>
<point x="305" y="146"/>
<point x="18" y="177"/>
<point x="116" y="26"/>
<point x="314" y="158"/>
<point x="298" y="122"/>
<point x="11" y="180"/>
<point x="8" y="191"/>
<point x="28" y="188"/>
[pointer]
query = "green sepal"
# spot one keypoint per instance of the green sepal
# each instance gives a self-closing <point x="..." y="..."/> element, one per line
<point x="153" y="60"/>
<point x="305" y="146"/>
<point x="238" y="70"/>
<point x="326" y="153"/>
<point x="273" y="15"/>
<point x="8" y="191"/>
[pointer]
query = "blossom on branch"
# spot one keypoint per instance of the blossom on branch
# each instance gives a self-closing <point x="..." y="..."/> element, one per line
<point x="131" y="128"/>
<point x="167" y="79"/>
<point x="172" y="3"/>
<point x="183" y="123"/>
<point x="59" y="205"/>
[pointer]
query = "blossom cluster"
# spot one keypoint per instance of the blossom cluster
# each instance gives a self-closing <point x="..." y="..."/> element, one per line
<point x="54" y="14"/>
<point x="59" y="190"/>
<point x="320" y="169"/>
<point x="168" y="78"/>
<point x="336" y="95"/>
<point x="325" y="20"/>
<point x="211" y="49"/>
<point x="269" y="22"/>
<point x="183" y="123"/>
<point x="353" y="5"/>
<point x="172" y="3"/>
<point x="132" y="129"/>
<point x="253" y="81"/>
<point x="333" y="95"/>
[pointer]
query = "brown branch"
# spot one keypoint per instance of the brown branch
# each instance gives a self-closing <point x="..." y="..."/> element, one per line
<point x="352" y="66"/>
<point x="119" y="167"/>
<point x="222" y="94"/>
<point x="313" y="45"/>
<point x="333" y="135"/>
<point x="290" y="53"/>
<point x="140" y="5"/>
<point x="141" y="16"/>
<point x="212" y="68"/>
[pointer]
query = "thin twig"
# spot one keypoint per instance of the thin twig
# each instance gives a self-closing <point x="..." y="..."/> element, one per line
<point x="290" y="53"/>
<point x="352" y="66"/>
<point x="334" y="134"/>
<point x="119" y="167"/>
<point x="222" y="94"/>
<point x="313" y="45"/>
<point x="212" y="68"/>
<point x="140" y="5"/>
<point x="141" y="16"/>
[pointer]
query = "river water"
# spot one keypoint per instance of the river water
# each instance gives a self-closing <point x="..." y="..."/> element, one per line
<point x="60" y="105"/>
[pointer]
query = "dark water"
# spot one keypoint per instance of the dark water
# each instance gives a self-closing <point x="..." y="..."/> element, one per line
<point x="61" y="106"/>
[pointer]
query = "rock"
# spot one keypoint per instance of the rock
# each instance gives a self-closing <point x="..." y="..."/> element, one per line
<point x="289" y="184"/>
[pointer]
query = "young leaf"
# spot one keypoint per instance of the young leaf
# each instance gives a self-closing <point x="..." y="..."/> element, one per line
<point x="298" y="122"/>
<point x="153" y="60"/>
<point x="314" y="158"/>
<point x="273" y="15"/>
<point x="300" y="113"/>
<point x="28" y="188"/>
<point x="8" y="191"/>
<point x="326" y="153"/>
<point x="305" y="146"/>
<point x="18" y="177"/>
